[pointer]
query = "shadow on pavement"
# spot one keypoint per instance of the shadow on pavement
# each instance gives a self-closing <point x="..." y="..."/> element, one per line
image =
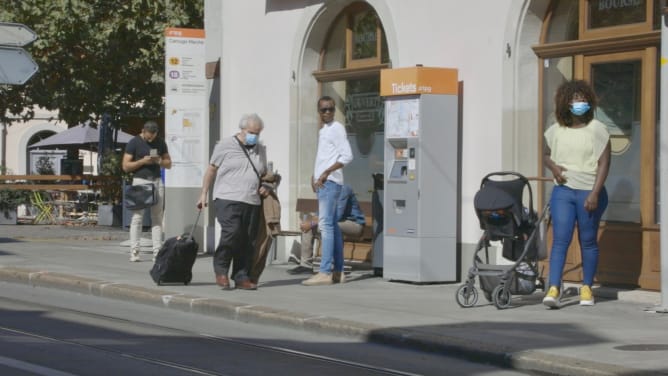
<point x="9" y="240"/>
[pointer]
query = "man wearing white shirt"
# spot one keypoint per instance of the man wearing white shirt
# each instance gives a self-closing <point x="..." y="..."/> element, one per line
<point x="332" y="154"/>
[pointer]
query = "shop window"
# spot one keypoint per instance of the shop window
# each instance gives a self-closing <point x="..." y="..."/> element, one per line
<point x="364" y="39"/>
<point x="335" y="52"/>
<point x="356" y="41"/>
<point x="617" y="86"/>
<point x="605" y="17"/>
<point x="563" y="22"/>
<point x="606" y="13"/>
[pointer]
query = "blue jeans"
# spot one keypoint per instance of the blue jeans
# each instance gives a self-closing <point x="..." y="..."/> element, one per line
<point x="330" y="233"/>
<point x="567" y="207"/>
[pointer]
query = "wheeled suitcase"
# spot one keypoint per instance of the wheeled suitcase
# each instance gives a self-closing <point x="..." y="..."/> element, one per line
<point x="175" y="260"/>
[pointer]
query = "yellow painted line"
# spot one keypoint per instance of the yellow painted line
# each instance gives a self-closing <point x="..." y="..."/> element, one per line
<point x="663" y="60"/>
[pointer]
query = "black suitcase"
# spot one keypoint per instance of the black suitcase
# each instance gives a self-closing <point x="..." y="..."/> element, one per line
<point x="175" y="260"/>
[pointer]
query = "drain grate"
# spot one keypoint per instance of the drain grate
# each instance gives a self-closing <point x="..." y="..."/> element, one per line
<point x="642" y="347"/>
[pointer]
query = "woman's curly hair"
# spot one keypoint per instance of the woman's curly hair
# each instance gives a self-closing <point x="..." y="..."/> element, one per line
<point x="563" y="97"/>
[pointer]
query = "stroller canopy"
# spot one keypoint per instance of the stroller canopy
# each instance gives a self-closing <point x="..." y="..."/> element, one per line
<point x="501" y="195"/>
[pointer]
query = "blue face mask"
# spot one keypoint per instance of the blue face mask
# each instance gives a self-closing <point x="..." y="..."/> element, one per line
<point x="251" y="139"/>
<point x="579" y="108"/>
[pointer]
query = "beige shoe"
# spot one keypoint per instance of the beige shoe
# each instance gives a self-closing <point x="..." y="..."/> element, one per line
<point x="318" y="280"/>
<point x="339" y="277"/>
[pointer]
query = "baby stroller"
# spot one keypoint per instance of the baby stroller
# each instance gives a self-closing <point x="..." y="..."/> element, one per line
<point x="498" y="205"/>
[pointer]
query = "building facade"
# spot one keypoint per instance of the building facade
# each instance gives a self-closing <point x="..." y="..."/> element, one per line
<point x="276" y="57"/>
<point x="18" y="135"/>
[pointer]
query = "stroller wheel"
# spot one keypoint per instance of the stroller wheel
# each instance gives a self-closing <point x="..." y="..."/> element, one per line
<point x="467" y="295"/>
<point x="501" y="297"/>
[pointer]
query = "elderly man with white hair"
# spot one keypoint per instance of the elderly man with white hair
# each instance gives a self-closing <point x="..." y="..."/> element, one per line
<point x="236" y="165"/>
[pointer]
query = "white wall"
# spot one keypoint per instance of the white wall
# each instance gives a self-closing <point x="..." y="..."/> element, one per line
<point x="265" y="41"/>
<point x="467" y="36"/>
<point x="20" y="132"/>
<point x="256" y="75"/>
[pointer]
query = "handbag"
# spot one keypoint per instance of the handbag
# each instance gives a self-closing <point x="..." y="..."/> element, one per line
<point x="140" y="196"/>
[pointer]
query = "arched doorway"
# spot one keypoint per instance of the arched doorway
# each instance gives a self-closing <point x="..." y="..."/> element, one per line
<point x="350" y="52"/>
<point x="613" y="45"/>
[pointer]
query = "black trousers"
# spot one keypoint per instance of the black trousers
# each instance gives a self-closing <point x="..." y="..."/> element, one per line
<point x="238" y="233"/>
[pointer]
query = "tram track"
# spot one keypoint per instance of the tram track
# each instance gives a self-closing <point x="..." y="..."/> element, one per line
<point x="262" y="350"/>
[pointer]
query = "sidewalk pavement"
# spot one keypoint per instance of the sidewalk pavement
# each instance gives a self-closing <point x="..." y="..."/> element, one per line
<point x="620" y="335"/>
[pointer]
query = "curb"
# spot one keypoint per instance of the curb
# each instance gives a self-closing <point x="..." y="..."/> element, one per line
<point x="480" y="352"/>
<point x="85" y="237"/>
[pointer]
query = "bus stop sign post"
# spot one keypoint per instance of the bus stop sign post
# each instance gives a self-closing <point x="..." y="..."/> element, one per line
<point x="663" y="160"/>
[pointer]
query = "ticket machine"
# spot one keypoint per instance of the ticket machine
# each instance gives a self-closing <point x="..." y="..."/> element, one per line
<point x="421" y="179"/>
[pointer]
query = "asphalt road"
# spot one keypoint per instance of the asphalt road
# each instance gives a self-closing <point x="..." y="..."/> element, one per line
<point x="56" y="333"/>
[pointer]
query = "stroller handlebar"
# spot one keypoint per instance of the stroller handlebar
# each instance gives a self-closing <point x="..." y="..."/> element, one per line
<point x="539" y="178"/>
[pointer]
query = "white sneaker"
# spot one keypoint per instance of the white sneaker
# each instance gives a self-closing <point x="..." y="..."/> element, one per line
<point x="318" y="280"/>
<point x="134" y="258"/>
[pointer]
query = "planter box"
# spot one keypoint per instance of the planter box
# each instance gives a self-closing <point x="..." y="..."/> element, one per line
<point x="10" y="219"/>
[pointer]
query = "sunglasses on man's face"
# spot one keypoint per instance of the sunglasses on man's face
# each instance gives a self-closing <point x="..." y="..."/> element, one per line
<point x="326" y="109"/>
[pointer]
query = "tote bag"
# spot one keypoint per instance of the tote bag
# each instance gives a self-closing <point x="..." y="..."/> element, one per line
<point x="140" y="196"/>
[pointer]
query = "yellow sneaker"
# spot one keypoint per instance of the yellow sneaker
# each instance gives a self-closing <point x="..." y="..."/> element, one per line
<point x="586" y="296"/>
<point x="552" y="297"/>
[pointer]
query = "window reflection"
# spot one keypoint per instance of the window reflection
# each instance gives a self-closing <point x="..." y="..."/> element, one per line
<point x="365" y="35"/>
<point x="617" y="85"/>
<point x="605" y="13"/>
<point x="564" y="22"/>
<point x="335" y="51"/>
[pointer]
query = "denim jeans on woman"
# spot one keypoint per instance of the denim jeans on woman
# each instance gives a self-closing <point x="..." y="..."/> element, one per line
<point x="330" y="233"/>
<point x="567" y="207"/>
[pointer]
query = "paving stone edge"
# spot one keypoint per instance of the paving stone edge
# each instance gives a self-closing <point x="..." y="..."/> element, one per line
<point x="489" y="353"/>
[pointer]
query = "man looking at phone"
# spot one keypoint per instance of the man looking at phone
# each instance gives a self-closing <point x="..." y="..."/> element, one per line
<point x="144" y="156"/>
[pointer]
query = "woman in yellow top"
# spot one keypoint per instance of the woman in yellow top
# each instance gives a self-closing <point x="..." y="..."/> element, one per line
<point x="578" y="154"/>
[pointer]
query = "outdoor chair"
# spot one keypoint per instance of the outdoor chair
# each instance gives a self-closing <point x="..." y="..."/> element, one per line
<point x="45" y="208"/>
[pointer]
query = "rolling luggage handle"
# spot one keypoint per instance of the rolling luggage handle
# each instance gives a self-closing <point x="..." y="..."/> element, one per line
<point x="192" y="229"/>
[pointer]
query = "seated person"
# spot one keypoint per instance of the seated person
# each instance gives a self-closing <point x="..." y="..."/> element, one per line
<point x="351" y="221"/>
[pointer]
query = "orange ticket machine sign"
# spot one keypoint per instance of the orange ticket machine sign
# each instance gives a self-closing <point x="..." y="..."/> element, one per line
<point x="418" y="80"/>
